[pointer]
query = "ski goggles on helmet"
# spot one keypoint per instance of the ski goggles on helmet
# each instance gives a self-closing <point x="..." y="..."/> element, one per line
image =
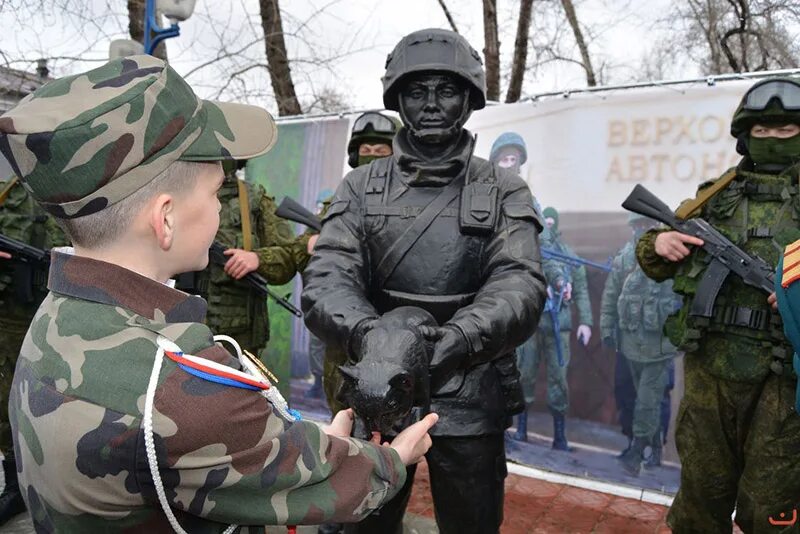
<point x="375" y="122"/>
<point x="759" y="97"/>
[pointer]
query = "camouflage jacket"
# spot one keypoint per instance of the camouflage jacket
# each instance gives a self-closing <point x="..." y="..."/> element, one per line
<point x="580" y="286"/>
<point x="633" y="310"/>
<point x="759" y="213"/>
<point x="76" y="411"/>
<point x="234" y="307"/>
<point x="22" y="219"/>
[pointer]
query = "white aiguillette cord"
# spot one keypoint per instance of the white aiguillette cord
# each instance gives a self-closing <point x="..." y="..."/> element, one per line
<point x="149" y="440"/>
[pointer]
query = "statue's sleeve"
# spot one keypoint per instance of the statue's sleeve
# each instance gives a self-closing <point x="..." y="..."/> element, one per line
<point x="506" y="308"/>
<point x="334" y="298"/>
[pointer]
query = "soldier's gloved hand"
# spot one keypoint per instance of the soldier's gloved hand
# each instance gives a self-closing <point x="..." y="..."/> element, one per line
<point x="584" y="334"/>
<point x="450" y="349"/>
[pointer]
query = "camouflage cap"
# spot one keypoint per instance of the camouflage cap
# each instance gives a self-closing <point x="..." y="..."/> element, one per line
<point x="83" y="142"/>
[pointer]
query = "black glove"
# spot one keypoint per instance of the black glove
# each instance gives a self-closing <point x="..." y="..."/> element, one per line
<point x="450" y="350"/>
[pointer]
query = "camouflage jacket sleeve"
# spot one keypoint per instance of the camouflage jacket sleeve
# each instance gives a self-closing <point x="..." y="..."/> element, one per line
<point x="227" y="456"/>
<point x="580" y="291"/>
<point x="281" y="254"/>
<point x="334" y="298"/>
<point x="507" y="307"/>
<point x="608" y="303"/>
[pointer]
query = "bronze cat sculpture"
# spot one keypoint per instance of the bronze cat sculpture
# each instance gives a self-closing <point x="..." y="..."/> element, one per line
<point x="392" y="376"/>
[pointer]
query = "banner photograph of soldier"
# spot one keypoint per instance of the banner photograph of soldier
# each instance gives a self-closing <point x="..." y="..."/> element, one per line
<point x="424" y="306"/>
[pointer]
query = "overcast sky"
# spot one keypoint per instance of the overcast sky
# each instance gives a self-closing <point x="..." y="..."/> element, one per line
<point x="357" y="34"/>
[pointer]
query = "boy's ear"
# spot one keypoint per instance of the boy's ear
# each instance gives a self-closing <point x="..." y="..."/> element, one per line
<point x="162" y="219"/>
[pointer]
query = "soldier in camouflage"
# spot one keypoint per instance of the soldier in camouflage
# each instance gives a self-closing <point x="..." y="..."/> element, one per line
<point x="632" y="315"/>
<point x="270" y="249"/>
<point x="22" y="289"/>
<point x="566" y="286"/>
<point x="126" y="416"/>
<point x="738" y="434"/>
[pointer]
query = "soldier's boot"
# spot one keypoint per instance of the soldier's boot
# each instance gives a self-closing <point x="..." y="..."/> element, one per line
<point x="654" y="460"/>
<point x="632" y="459"/>
<point x="11" y="503"/>
<point x="330" y="528"/>
<point x="315" y="391"/>
<point x="626" y="449"/>
<point x="522" y="427"/>
<point x="559" y="435"/>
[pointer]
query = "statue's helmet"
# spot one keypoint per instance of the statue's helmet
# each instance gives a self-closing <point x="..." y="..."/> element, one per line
<point x="434" y="50"/>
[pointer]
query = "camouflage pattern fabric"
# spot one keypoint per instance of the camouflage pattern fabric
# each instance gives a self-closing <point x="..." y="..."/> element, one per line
<point x="224" y="455"/>
<point x="23" y="220"/>
<point x="72" y="140"/>
<point x="234" y="308"/>
<point x="632" y="314"/>
<point x="737" y="435"/>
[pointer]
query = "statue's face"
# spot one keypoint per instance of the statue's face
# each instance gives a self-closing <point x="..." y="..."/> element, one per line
<point x="432" y="105"/>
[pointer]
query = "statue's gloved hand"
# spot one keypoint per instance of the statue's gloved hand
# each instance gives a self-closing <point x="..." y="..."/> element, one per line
<point x="449" y="353"/>
<point x="354" y="343"/>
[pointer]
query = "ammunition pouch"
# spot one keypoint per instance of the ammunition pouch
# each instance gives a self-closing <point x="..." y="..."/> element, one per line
<point x="754" y="319"/>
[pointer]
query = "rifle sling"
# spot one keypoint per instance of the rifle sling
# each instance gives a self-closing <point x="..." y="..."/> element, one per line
<point x="7" y="189"/>
<point x="244" y="211"/>
<point x="690" y="207"/>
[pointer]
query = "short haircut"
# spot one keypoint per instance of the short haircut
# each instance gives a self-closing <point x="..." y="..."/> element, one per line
<point x="104" y="227"/>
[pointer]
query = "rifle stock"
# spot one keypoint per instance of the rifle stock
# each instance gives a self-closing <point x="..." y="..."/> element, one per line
<point x="292" y="210"/>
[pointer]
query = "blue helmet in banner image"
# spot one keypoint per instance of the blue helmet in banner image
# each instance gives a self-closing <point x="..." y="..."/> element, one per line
<point x="324" y="195"/>
<point x="509" y="139"/>
<point x="787" y="289"/>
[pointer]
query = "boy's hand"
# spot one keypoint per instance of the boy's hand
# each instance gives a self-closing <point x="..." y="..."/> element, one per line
<point x="240" y="263"/>
<point x="5" y="255"/>
<point x="342" y="424"/>
<point x="672" y="245"/>
<point x="413" y="442"/>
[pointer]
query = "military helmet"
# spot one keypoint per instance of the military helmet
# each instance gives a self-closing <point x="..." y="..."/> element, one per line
<point x="434" y="50"/>
<point x="770" y="100"/>
<point x="370" y="127"/>
<point x="509" y="139"/>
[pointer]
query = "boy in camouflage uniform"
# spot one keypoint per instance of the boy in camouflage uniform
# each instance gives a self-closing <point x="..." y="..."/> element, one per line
<point x="116" y="426"/>
<point x="738" y="434"/>
<point x="22" y="289"/>
<point x="632" y="315"/>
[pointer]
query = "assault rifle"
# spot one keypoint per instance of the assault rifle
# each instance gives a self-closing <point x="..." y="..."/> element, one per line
<point x="725" y="256"/>
<point x="292" y="210"/>
<point x="30" y="266"/>
<point x="553" y="306"/>
<point x="217" y="254"/>
<point x="573" y="261"/>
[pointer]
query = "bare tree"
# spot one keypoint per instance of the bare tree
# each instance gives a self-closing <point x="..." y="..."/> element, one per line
<point x="448" y="16"/>
<point x="519" y="61"/>
<point x="586" y="60"/>
<point x="491" y="49"/>
<point x="279" y="72"/>
<point x="136" y="10"/>
<point x="734" y="35"/>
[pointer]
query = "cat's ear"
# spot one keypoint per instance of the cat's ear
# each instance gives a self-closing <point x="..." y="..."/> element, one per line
<point x="401" y="381"/>
<point x="349" y="372"/>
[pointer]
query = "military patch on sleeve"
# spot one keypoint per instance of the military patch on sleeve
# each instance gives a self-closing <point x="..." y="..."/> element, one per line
<point x="791" y="264"/>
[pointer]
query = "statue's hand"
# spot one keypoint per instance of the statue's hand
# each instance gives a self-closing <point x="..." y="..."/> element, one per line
<point x="450" y="349"/>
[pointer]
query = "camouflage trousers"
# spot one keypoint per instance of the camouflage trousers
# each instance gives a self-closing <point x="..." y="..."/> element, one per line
<point x="11" y="338"/>
<point x="331" y="378"/>
<point x="541" y="346"/>
<point x="739" y="445"/>
<point x="650" y="381"/>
